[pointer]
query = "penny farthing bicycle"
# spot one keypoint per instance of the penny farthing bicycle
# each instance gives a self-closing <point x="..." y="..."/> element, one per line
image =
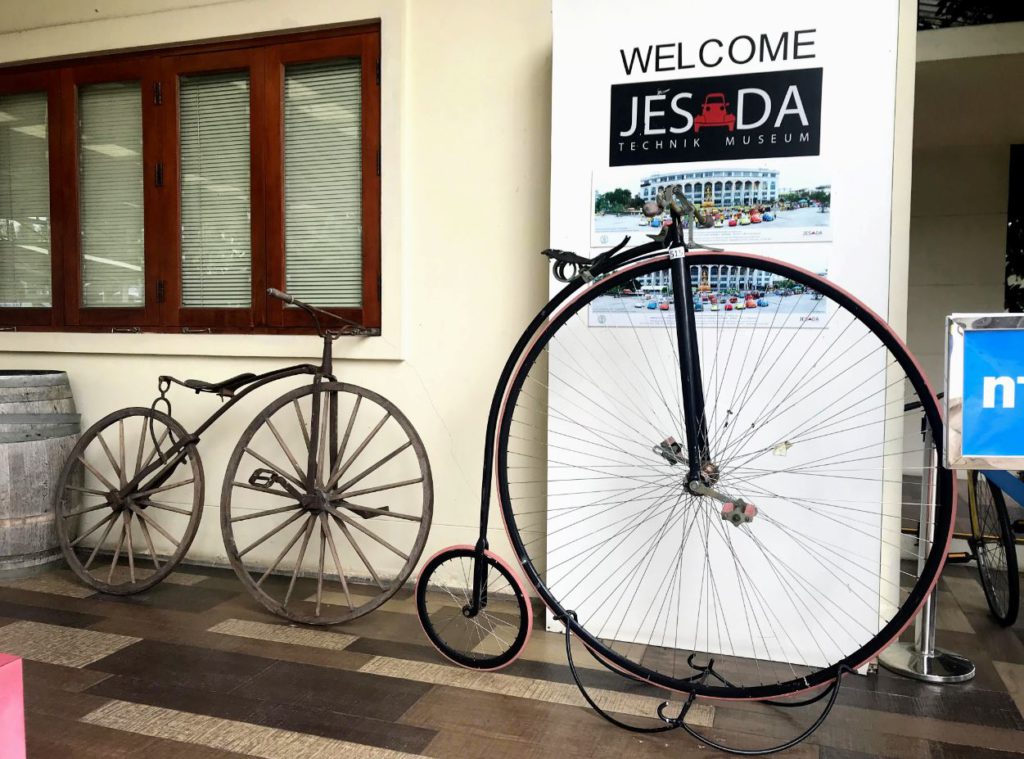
<point x="325" y="506"/>
<point x="710" y="499"/>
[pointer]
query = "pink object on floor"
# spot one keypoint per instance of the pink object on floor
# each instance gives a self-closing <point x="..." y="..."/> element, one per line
<point x="12" y="708"/>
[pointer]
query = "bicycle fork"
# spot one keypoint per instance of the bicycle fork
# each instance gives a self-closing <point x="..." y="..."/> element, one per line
<point x="701" y="470"/>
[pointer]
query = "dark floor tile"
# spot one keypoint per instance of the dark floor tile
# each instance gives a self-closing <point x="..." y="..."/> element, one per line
<point x="935" y="751"/>
<point x="827" y="752"/>
<point x="322" y="719"/>
<point x="188" y="598"/>
<point x="46" y="614"/>
<point x="180" y="697"/>
<point x="55" y="738"/>
<point x="538" y="670"/>
<point x="42" y="699"/>
<point x="979" y="707"/>
<point x="219" y="671"/>
<point x="328" y="723"/>
<point x="57" y="676"/>
<point x="356" y="693"/>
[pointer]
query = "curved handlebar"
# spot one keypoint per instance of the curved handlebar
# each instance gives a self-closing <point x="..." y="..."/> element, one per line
<point x="275" y="293"/>
<point x="350" y="328"/>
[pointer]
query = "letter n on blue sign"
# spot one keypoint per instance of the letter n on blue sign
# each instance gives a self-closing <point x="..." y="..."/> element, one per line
<point x="993" y="418"/>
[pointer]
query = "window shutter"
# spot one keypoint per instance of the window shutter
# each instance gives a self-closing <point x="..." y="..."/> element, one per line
<point x="24" y="202"/>
<point x="323" y="182"/>
<point x="216" y="252"/>
<point x="110" y="179"/>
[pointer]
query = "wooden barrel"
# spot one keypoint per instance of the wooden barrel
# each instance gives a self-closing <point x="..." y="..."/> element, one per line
<point x="38" y="428"/>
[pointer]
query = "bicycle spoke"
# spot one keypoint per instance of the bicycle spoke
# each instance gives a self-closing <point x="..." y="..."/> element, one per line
<point x="131" y="549"/>
<point x="149" y="543"/>
<point x="270" y="533"/>
<point x="149" y="502"/>
<point x="88" y="491"/>
<point x="338" y="515"/>
<point x="379" y="488"/>
<point x="97" y="475"/>
<point x="284" y="446"/>
<point x="117" y="551"/>
<point x="93" y="529"/>
<point x="156" y="525"/>
<point x="320" y="569"/>
<point x="344" y="529"/>
<point x="110" y="521"/>
<point x="374" y="467"/>
<point x="86" y="510"/>
<point x="351" y="459"/>
<point x="325" y="526"/>
<point x="162" y="488"/>
<point x="307" y="531"/>
<point x="267" y="512"/>
<point x="295" y="539"/>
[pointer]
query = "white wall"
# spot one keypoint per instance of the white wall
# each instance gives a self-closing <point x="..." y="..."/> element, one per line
<point x="465" y="174"/>
<point x="967" y="114"/>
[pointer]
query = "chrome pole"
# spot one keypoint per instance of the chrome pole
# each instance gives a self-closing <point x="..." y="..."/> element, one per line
<point x="920" y="659"/>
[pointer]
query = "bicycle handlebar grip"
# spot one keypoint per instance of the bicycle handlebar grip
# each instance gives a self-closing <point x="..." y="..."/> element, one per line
<point x="275" y="293"/>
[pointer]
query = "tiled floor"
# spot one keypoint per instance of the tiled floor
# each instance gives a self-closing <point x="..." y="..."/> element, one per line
<point x="195" y="669"/>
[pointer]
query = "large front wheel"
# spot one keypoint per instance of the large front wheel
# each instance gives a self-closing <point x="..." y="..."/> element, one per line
<point x="326" y="503"/>
<point x="785" y="563"/>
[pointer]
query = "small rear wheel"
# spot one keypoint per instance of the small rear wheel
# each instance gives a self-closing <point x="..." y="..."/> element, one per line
<point x="994" y="547"/>
<point x="492" y="637"/>
<point x="120" y="532"/>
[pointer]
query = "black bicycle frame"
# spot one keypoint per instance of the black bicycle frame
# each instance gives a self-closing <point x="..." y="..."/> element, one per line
<point x="692" y="390"/>
<point x="171" y="458"/>
<point x="689" y="368"/>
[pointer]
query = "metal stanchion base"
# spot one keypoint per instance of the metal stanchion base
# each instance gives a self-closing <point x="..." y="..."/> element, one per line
<point x="939" y="667"/>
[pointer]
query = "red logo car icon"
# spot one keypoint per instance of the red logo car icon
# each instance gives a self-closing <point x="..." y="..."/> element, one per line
<point x="714" y="113"/>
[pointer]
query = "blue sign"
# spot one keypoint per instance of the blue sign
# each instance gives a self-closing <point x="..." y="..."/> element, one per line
<point x="993" y="400"/>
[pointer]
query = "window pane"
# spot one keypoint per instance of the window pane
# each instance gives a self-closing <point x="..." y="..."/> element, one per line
<point x="216" y="258"/>
<point x="323" y="182"/>
<point x="24" y="201"/>
<point x="110" y="194"/>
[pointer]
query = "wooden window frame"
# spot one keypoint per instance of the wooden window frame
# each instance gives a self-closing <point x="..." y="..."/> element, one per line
<point x="76" y="315"/>
<point x="216" y="319"/>
<point x="158" y="71"/>
<point x="53" y="316"/>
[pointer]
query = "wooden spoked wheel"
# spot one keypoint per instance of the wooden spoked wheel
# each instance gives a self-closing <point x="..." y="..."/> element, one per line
<point x="324" y="523"/>
<point x="127" y="507"/>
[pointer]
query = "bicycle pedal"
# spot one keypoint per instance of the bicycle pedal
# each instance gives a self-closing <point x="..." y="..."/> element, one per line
<point x="670" y="450"/>
<point x="739" y="512"/>
<point x="263" y="478"/>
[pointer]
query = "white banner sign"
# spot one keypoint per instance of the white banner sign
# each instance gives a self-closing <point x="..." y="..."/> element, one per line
<point x="776" y="122"/>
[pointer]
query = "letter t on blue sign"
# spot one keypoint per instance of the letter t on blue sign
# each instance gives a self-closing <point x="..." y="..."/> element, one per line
<point x="993" y="415"/>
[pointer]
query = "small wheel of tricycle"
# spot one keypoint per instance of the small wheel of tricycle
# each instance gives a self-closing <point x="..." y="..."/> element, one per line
<point x="128" y="503"/>
<point x="489" y="637"/>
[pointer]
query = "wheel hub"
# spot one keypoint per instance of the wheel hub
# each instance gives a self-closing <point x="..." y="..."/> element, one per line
<point x="709" y="473"/>
<point x="316" y="500"/>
